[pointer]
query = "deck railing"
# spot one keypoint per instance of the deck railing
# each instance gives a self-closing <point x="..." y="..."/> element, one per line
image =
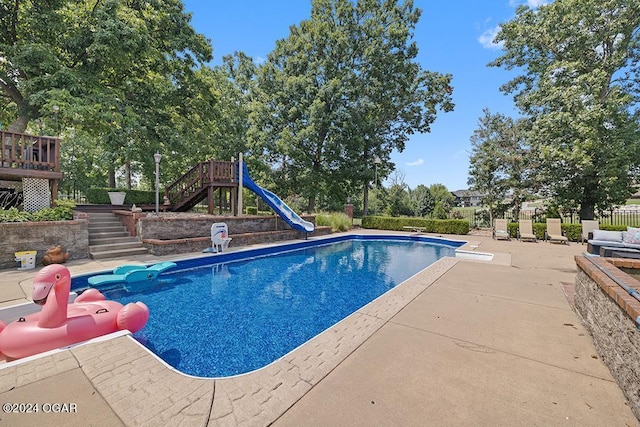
<point x="207" y="173"/>
<point x="480" y="217"/>
<point x="22" y="151"/>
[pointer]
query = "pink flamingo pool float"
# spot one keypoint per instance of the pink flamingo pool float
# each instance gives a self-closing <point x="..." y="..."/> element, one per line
<point x="60" y="324"/>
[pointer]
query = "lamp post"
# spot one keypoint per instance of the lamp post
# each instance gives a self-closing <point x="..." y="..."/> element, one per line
<point x="56" y="109"/>
<point x="157" y="158"/>
<point x="376" y="162"/>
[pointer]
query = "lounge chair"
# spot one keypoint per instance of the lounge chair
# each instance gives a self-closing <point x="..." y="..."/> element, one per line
<point x="500" y="230"/>
<point x="525" y="231"/>
<point x="554" y="231"/>
<point x="588" y="226"/>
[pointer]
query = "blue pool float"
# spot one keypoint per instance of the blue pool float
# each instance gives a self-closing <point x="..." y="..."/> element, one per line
<point x="130" y="273"/>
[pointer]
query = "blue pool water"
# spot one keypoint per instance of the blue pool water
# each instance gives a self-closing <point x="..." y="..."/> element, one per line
<point x="239" y="315"/>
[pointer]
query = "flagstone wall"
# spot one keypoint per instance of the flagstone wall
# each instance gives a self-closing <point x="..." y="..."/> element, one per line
<point x="73" y="236"/>
<point x="612" y="317"/>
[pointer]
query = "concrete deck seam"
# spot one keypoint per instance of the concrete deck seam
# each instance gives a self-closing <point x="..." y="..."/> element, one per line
<point x="501" y="351"/>
<point x="509" y="299"/>
<point x="213" y="398"/>
<point x="97" y="390"/>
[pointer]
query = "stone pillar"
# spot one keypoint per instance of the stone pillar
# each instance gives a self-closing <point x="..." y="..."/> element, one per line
<point x="348" y="210"/>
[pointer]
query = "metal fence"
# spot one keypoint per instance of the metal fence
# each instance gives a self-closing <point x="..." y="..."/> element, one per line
<point x="479" y="218"/>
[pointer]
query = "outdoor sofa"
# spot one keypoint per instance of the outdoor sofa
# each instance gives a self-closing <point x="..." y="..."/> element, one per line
<point x="629" y="239"/>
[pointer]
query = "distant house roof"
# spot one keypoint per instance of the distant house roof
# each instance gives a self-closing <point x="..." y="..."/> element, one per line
<point x="466" y="193"/>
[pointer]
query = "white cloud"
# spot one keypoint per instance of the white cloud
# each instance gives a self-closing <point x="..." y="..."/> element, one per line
<point x="486" y="38"/>
<point x="415" y="162"/>
<point x="531" y="3"/>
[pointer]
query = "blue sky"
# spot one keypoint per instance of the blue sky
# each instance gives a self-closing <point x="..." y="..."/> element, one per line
<point x="456" y="42"/>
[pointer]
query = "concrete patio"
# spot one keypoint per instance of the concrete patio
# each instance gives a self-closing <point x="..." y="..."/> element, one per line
<point x="464" y="342"/>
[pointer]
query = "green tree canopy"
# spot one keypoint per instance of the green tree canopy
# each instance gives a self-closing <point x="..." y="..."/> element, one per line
<point x="500" y="162"/>
<point x="579" y="87"/>
<point x="341" y="90"/>
<point x="443" y="200"/>
<point x="423" y="201"/>
<point x="127" y="76"/>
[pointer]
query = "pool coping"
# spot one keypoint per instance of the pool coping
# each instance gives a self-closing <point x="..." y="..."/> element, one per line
<point x="135" y="382"/>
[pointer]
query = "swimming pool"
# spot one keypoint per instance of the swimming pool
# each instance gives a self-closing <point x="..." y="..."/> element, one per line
<point x="236" y="312"/>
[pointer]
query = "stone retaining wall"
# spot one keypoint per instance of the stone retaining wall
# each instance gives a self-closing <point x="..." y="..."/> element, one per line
<point x="610" y="315"/>
<point x="197" y="244"/>
<point x="166" y="227"/>
<point x="164" y="235"/>
<point x="73" y="236"/>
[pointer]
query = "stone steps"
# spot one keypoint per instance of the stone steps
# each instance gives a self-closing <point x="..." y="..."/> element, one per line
<point x="108" y="238"/>
<point x="117" y="253"/>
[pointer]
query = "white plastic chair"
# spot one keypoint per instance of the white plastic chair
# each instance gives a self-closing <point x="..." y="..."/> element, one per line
<point x="220" y="236"/>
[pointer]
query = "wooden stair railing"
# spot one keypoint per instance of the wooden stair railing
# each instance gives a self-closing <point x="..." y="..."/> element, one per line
<point x="191" y="188"/>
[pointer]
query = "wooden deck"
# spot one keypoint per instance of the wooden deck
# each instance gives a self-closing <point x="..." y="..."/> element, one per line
<point x="29" y="156"/>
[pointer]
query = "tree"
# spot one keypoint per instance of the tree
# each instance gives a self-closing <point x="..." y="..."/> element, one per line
<point x="423" y="201"/>
<point x="123" y="73"/>
<point x="397" y="196"/>
<point x="443" y="200"/>
<point x="579" y="88"/>
<point x="342" y="89"/>
<point x="499" y="161"/>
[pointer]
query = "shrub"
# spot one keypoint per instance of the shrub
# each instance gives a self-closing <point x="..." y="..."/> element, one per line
<point x="613" y="227"/>
<point x="444" y="226"/>
<point x="539" y="229"/>
<point x="251" y="210"/>
<point x="573" y="232"/>
<point x="457" y="215"/>
<point x="339" y="221"/>
<point x="100" y="196"/>
<point x="62" y="212"/>
<point x="14" y="215"/>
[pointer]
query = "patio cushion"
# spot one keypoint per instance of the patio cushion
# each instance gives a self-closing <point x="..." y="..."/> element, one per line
<point x="632" y="236"/>
<point x="607" y="236"/>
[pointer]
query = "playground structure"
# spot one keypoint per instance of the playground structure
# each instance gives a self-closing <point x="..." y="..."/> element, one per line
<point x="227" y="178"/>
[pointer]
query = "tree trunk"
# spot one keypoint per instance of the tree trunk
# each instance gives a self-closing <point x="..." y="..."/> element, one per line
<point x="111" y="173"/>
<point x="127" y="175"/>
<point x="312" y="204"/>
<point x="587" y="204"/>
<point x="587" y="211"/>
<point x="516" y="208"/>
<point x="365" y="200"/>
<point x="491" y="216"/>
<point x="19" y="125"/>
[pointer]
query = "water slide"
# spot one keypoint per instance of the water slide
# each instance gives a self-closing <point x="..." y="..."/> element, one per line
<point x="285" y="212"/>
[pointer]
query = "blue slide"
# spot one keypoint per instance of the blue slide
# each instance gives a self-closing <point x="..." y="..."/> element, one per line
<point x="285" y="212"/>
